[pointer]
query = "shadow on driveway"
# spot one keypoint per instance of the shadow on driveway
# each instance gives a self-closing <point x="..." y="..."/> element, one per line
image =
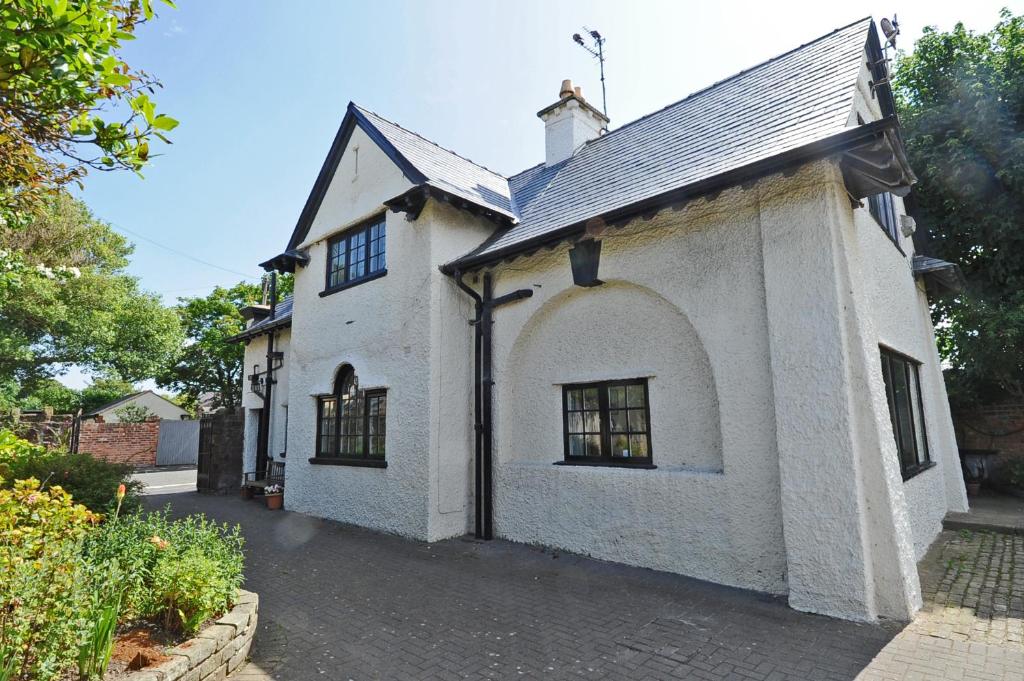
<point x="341" y="602"/>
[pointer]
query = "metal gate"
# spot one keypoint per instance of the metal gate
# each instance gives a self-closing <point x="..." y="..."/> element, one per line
<point x="178" y="444"/>
<point x="205" y="453"/>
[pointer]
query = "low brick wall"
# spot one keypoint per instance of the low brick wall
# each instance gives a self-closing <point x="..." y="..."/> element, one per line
<point x="215" y="652"/>
<point x="999" y="427"/>
<point x="131" y="443"/>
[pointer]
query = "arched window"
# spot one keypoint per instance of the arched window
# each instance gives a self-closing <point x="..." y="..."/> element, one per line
<point x="351" y="422"/>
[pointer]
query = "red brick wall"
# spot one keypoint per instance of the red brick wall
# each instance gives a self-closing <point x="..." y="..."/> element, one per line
<point x="999" y="427"/>
<point x="132" y="443"/>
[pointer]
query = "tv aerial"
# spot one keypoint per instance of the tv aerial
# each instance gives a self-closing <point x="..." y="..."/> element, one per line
<point x="597" y="51"/>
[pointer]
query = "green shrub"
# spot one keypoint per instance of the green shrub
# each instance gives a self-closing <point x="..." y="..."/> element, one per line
<point x="91" y="482"/>
<point x="176" y="572"/>
<point x="43" y="591"/>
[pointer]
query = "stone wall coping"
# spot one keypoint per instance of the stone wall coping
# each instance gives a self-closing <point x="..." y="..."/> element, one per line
<point x="213" y="653"/>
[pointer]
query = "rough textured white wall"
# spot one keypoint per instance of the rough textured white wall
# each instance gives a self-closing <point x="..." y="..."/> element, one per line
<point x="901" y="319"/>
<point x="382" y="329"/>
<point x="683" y="306"/>
<point x="450" y="512"/>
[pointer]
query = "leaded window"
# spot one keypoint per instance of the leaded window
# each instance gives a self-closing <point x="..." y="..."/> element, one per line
<point x="902" y="378"/>
<point x="350" y="421"/>
<point x="607" y="422"/>
<point x="357" y="254"/>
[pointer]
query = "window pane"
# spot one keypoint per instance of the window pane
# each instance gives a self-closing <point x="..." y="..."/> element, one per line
<point x="592" y="421"/>
<point x="617" y="397"/>
<point x="918" y="412"/>
<point x="593" y="445"/>
<point x="577" y="446"/>
<point x="636" y="396"/>
<point x="637" y="421"/>
<point x="336" y="263"/>
<point x="620" y="446"/>
<point x="638" y="446"/>
<point x="575" y="399"/>
<point x="590" y="400"/>
<point x="575" y="423"/>
<point x="618" y="421"/>
<point x="376" y="422"/>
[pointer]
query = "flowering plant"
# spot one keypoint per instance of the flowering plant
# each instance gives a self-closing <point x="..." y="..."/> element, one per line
<point x="274" y="489"/>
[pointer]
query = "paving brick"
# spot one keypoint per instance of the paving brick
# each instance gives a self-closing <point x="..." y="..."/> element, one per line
<point x="340" y="602"/>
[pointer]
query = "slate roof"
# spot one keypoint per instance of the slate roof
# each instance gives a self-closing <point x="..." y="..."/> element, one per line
<point x="797" y="98"/>
<point x="445" y="169"/>
<point x="797" y="101"/>
<point x="282" y="317"/>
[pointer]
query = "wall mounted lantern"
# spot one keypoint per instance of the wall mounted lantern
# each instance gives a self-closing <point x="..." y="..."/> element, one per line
<point x="585" y="258"/>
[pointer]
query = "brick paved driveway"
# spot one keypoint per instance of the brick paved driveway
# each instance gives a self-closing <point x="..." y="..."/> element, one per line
<point x="339" y="602"/>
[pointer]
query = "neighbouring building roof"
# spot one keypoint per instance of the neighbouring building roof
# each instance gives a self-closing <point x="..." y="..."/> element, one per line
<point x="774" y="115"/>
<point x="282" y="318"/>
<point x="125" y="400"/>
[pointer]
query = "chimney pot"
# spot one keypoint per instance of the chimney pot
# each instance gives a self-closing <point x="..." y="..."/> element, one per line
<point x="578" y="92"/>
<point x="566" y="89"/>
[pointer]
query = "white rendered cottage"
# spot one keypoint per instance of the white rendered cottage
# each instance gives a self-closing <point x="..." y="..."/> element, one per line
<point x="746" y="391"/>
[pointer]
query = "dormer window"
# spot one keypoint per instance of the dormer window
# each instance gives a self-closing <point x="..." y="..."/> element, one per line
<point x="356" y="255"/>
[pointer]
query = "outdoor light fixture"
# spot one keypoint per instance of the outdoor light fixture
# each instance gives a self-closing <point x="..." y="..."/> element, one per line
<point x="585" y="258"/>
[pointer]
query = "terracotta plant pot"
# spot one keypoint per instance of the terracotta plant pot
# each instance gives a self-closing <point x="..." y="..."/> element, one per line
<point x="274" y="501"/>
<point x="246" y="492"/>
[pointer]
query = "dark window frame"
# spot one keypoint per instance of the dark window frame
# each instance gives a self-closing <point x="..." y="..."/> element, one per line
<point x="364" y="398"/>
<point x="882" y="208"/>
<point x="918" y="458"/>
<point x="345" y="265"/>
<point x="606" y="458"/>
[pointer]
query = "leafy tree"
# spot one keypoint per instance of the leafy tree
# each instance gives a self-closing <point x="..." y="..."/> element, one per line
<point x="52" y="393"/>
<point x="71" y="302"/>
<point x="207" y="362"/>
<point x="961" y="101"/>
<point x="104" y="390"/>
<point x="61" y="78"/>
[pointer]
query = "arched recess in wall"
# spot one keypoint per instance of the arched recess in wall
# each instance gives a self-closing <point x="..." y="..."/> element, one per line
<point x="614" y="331"/>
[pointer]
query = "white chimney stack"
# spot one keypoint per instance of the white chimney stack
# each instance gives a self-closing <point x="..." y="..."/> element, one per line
<point x="569" y="123"/>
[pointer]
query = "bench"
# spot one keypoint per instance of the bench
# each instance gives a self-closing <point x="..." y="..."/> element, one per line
<point x="260" y="480"/>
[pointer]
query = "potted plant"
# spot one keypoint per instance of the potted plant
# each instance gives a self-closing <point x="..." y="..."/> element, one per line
<point x="274" y="496"/>
<point x="246" y="492"/>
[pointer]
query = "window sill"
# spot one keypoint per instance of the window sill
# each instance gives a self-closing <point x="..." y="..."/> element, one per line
<point x="354" y="282"/>
<point x="645" y="465"/>
<point x="917" y="470"/>
<point x="358" y="463"/>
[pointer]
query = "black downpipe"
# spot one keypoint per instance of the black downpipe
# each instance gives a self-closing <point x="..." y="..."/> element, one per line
<point x="263" y="443"/>
<point x="487" y="383"/>
<point x="482" y="397"/>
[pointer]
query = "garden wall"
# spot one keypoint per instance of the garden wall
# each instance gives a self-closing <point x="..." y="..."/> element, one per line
<point x="215" y="652"/>
<point x="131" y="443"/>
<point x="999" y="427"/>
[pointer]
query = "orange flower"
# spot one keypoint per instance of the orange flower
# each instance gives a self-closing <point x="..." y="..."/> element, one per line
<point x="121" y="491"/>
<point x="161" y="544"/>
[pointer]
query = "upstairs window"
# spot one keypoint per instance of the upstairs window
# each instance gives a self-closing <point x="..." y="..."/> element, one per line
<point x="607" y="423"/>
<point x="356" y="255"/>
<point x="351" y="423"/>
<point x="883" y="210"/>
<point x="903" y="392"/>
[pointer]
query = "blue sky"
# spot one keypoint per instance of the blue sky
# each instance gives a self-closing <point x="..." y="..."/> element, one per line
<point x="260" y="88"/>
